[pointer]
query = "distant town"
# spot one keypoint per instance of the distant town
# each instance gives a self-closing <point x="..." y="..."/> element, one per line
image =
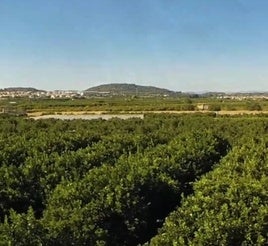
<point x="34" y="93"/>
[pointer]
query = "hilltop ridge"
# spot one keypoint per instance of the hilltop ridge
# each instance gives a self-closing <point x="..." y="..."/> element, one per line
<point x="21" y="89"/>
<point x="130" y="89"/>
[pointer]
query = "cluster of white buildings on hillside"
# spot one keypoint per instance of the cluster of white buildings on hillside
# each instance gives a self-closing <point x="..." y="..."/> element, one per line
<point x="241" y="97"/>
<point x="6" y="93"/>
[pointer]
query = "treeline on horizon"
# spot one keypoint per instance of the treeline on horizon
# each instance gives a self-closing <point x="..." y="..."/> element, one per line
<point x="163" y="180"/>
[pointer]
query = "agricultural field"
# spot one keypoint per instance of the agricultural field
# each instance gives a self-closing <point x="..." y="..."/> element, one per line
<point x="133" y="104"/>
<point x="164" y="179"/>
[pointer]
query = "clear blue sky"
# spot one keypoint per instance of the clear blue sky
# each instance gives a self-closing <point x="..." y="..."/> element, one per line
<point x="184" y="45"/>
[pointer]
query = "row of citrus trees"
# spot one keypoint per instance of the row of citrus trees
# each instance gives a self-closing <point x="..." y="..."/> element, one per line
<point x="114" y="182"/>
<point x="229" y="205"/>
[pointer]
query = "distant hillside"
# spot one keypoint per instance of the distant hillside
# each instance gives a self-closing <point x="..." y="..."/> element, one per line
<point x="21" y="89"/>
<point x="130" y="89"/>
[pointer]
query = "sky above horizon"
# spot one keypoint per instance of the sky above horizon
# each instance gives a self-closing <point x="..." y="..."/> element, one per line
<point x="182" y="45"/>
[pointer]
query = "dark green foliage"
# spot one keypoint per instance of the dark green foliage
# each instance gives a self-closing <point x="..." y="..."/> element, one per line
<point x="22" y="230"/>
<point x="114" y="182"/>
<point x="125" y="202"/>
<point x="253" y="106"/>
<point x="229" y="205"/>
<point x="214" y="107"/>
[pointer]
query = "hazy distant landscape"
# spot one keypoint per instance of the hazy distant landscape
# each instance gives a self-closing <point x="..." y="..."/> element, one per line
<point x="121" y="89"/>
<point x="127" y="99"/>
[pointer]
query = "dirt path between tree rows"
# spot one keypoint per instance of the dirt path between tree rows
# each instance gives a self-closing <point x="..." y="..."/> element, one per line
<point x="238" y="112"/>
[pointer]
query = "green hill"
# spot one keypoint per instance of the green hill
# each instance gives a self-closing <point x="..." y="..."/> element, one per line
<point x="31" y="89"/>
<point x="130" y="89"/>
